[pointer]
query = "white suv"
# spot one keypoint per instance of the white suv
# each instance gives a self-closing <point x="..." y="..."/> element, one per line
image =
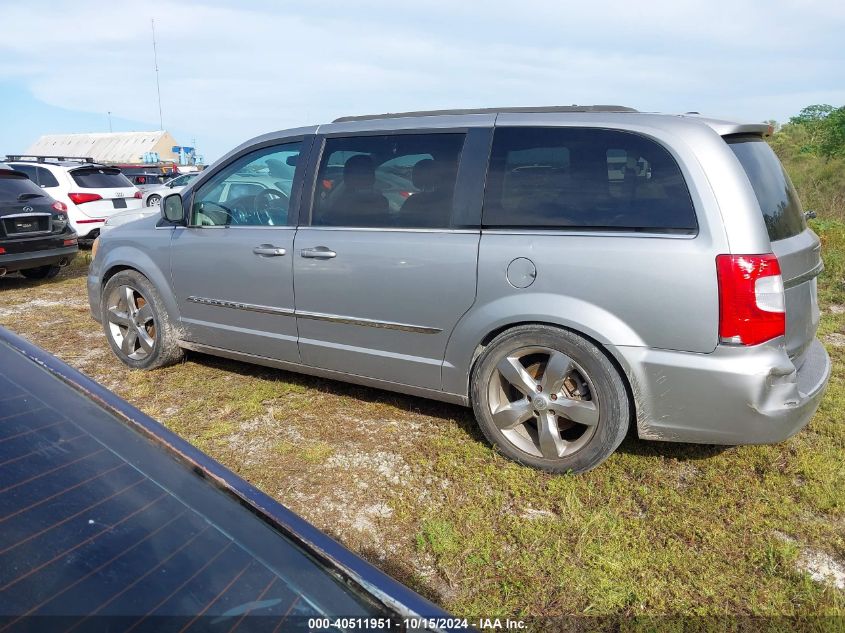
<point x="91" y="192"/>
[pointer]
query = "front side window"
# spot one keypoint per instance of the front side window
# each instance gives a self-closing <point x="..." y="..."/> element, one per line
<point x="182" y="181"/>
<point x="584" y="178"/>
<point x="254" y="190"/>
<point x="399" y="181"/>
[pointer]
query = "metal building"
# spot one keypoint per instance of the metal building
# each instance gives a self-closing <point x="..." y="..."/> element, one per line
<point x="108" y="147"/>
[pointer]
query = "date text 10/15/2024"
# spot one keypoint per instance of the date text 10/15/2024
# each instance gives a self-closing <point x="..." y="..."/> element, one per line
<point x="412" y="624"/>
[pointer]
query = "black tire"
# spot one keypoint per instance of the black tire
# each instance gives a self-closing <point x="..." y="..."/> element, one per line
<point x="42" y="272"/>
<point x="165" y="348"/>
<point x="609" y="408"/>
<point x="153" y="200"/>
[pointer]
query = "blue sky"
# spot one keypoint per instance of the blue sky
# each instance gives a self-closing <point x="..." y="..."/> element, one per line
<point x="232" y="70"/>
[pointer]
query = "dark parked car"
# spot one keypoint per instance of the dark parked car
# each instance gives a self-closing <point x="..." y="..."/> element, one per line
<point x="110" y="522"/>
<point x="35" y="236"/>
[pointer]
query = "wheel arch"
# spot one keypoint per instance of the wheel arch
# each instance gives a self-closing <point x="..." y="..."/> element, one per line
<point x="609" y="352"/>
<point x="123" y="259"/>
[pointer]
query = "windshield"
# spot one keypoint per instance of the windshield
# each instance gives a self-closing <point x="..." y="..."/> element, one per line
<point x="779" y="203"/>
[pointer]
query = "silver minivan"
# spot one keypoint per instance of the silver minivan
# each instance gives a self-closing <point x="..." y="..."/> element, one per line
<point x="568" y="272"/>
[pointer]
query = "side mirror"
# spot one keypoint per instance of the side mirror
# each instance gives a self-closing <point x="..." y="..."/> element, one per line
<point x="172" y="210"/>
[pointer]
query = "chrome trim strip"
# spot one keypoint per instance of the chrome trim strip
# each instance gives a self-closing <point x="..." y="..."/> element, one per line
<point x="251" y="307"/>
<point x="359" y="229"/>
<point x="24" y="215"/>
<point x="263" y="227"/>
<point x="316" y="316"/>
<point x="592" y="233"/>
<point x="387" y="325"/>
<point x="815" y="271"/>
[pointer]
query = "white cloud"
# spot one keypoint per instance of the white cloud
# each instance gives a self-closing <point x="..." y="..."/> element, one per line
<point x="229" y="73"/>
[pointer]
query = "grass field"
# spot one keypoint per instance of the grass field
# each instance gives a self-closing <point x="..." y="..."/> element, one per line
<point x="410" y="484"/>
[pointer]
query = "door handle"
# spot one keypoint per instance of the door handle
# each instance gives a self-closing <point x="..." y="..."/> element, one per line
<point x="319" y="252"/>
<point x="268" y="250"/>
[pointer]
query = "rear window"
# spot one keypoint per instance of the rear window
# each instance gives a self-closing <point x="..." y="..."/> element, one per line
<point x="13" y="185"/>
<point x="779" y="203"/>
<point x="99" y="178"/>
<point x="585" y="178"/>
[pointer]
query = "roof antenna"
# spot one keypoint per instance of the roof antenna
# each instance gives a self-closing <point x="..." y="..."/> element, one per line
<point x="158" y="87"/>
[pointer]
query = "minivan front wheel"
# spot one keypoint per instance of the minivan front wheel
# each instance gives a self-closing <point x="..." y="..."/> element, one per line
<point x="549" y="399"/>
<point x="136" y="324"/>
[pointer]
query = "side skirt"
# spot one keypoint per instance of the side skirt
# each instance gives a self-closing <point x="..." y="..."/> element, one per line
<point x="431" y="394"/>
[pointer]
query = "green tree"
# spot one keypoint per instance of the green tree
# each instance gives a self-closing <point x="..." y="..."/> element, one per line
<point x="821" y="129"/>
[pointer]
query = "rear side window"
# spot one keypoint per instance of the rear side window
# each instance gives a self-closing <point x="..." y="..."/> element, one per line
<point x="584" y="178"/>
<point x="29" y="170"/>
<point x="397" y="180"/>
<point x="99" y="178"/>
<point x="14" y="185"/>
<point x="779" y="203"/>
<point x="39" y="175"/>
<point x="45" y="177"/>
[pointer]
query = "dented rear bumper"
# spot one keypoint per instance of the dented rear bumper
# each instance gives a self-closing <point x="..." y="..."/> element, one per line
<point x="734" y="395"/>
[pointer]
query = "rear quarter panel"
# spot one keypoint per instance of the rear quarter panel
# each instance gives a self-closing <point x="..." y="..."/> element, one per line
<point x="640" y="290"/>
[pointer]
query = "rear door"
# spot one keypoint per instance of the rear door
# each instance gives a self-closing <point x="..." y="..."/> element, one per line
<point x="796" y="246"/>
<point x="232" y="267"/>
<point x="388" y="264"/>
<point x="116" y="193"/>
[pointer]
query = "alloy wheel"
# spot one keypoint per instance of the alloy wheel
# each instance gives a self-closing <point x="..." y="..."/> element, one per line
<point x="131" y="322"/>
<point x="543" y="402"/>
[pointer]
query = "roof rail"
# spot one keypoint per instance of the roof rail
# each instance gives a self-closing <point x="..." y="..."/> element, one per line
<point x="540" y="109"/>
<point x="43" y="159"/>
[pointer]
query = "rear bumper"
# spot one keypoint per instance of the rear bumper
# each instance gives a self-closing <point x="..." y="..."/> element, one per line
<point x="733" y="395"/>
<point x="21" y="261"/>
<point x="88" y="230"/>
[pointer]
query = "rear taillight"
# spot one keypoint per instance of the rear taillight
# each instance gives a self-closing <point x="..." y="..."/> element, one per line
<point x="751" y="300"/>
<point x="81" y="198"/>
<point x="59" y="207"/>
<point x="138" y="194"/>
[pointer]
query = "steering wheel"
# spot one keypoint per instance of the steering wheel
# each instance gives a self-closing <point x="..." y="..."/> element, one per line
<point x="262" y="199"/>
<point x="229" y="213"/>
<point x="270" y="207"/>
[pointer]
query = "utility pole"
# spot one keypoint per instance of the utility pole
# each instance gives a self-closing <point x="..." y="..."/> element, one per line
<point x="158" y="87"/>
<point x="110" y="121"/>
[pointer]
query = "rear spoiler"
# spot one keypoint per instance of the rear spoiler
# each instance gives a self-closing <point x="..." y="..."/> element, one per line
<point x="729" y="128"/>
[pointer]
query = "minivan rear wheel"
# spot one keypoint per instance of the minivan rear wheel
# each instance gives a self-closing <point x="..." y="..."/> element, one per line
<point x="136" y="323"/>
<point x="550" y="399"/>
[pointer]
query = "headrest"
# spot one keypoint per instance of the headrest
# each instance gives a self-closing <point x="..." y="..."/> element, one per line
<point x="425" y="175"/>
<point x="359" y="172"/>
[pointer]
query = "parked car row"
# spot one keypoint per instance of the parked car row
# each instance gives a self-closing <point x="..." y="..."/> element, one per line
<point x="91" y="192"/>
<point x="91" y="197"/>
<point x="567" y="272"/>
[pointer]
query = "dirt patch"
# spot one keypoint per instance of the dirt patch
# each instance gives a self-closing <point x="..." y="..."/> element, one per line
<point x="836" y="339"/>
<point x="822" y="568"/>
